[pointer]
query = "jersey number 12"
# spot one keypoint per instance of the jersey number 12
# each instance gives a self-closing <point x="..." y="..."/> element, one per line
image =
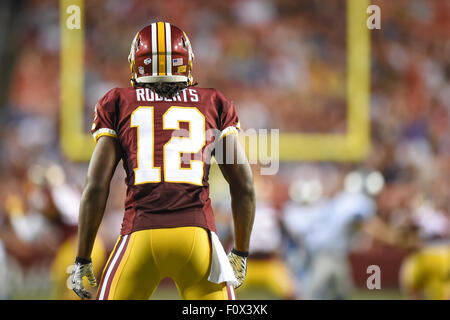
<point x="143" y="119"/>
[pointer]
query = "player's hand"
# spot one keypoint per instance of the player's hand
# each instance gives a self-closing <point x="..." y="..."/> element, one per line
<point x="238" y="261"/>
<point x="82" y="268"/>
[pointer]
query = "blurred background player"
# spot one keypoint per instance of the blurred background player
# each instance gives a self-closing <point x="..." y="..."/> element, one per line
<point x="42" y="225"/>
<point x="425" y="273"/>
<point x="267" y="271"/>
<point x="266" y="266"/>
<point x="325" y="218"/>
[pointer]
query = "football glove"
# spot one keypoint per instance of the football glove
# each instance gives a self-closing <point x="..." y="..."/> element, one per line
<point x="238" y="261"/>
<point x="82" y="268"/>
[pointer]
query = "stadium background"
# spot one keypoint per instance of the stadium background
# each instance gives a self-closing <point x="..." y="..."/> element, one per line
<point x="285" y="65"/>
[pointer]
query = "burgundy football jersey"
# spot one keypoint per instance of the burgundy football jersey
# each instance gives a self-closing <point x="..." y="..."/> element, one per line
<point x="165" y="145"/>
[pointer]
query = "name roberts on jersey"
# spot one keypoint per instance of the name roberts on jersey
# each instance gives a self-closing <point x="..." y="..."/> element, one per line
<point x="147" y="95"/>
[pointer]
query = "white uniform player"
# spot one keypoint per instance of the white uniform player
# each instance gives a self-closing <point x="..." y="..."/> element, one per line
<point x="325" y="230"/>
<point x="265" y="266"/>
<point x="266" y="236"/>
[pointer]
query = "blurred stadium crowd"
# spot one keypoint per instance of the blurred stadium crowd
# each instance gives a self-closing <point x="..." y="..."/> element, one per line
<point x="318" y="225"/>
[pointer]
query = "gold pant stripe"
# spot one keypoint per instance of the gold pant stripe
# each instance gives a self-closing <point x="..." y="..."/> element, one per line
<point x="120" y="268"/>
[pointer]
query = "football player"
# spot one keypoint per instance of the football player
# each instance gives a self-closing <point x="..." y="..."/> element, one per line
<point x="165" y="130"/>
<point x="425" y="272"/>
<point x="266" y="266"/>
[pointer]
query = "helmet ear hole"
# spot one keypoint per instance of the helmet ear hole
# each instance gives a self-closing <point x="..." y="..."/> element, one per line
<point x="184" y="42"/>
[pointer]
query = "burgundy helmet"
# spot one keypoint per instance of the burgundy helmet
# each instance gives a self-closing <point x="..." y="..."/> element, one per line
<point x="161" y="52"/>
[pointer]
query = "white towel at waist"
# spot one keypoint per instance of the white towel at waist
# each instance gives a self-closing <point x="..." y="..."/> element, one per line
<point x="221" y="270"/>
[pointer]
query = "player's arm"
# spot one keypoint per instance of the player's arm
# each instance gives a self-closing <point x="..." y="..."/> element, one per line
<point x="103" y="163"/>
<point x="239" y="176"/>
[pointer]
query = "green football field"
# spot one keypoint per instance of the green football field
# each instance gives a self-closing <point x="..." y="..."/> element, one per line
<point x="169" y="292"/>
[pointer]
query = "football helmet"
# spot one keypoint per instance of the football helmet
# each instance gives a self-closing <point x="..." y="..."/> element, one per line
<point x="161" y="52"/>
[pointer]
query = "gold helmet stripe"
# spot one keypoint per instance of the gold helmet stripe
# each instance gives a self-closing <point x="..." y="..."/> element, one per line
<point x="161" y="49"/>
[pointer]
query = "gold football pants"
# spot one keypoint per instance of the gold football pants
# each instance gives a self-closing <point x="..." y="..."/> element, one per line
<point x="143" y="258"/>
<point x="271" y="274"/>
<point x="426" y="273"/>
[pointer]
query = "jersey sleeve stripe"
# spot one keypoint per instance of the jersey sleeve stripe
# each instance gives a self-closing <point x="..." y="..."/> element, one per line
<point x="104" y="132"/>
<point x="227" y="131"/>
